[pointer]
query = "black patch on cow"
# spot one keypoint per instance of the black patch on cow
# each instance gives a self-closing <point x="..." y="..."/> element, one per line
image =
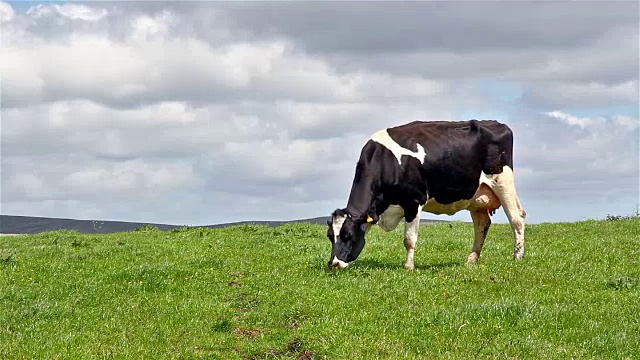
<point x="358" y="174"/>
<point x="485" y="229"/>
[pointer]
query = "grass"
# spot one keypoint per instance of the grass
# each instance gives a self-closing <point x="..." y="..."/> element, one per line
<point x="254" y="292"/>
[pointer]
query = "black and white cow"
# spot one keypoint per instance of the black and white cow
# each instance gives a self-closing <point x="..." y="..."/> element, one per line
<point x="440" y="167"/>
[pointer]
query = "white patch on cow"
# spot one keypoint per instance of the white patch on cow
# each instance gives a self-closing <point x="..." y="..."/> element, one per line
<point x="503" y="186"/>
<point x="410" y="238"/>
<point x="338" y="263"/>
<point x="382" y="137"/>
<point x="338" y="221"/>
<point x="481" y="224"/>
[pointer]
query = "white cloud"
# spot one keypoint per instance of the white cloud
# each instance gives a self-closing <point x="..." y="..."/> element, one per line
<point x="580" y="156"/>
<point x="148" y="64"/>
<point x="555" y="94"/>
<point x="618" y="122"/>
<point x="160" y="129"/>
<point x="115" y="73"/>
<point x="627" y="122"/>
<point x="6" y="12"/>
<point x="70" y="11"/>
<point x="147" y="27"/>
<point x="575" y="120"/>
<point x="81" y="177"/>
<point x="131" y="175"/>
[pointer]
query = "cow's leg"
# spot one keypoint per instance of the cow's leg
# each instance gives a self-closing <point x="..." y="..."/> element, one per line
<point x="481" y="224"/>
<point x="504" y="187"/>
<point x="521" y="211"/>
<point x="411" y="229"/>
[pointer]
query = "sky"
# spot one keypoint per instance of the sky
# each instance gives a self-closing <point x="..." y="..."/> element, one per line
<point x="195" y="113"/>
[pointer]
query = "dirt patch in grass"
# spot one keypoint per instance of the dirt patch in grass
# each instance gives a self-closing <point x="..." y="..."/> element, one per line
<point x="305" y="355"/>
<point x="294" y="347"/>
<point x="236" y="276"/>
<point x="248" y="333"/>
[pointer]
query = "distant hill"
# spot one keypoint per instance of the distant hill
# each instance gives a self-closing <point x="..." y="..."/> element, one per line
<point x="11" y="224"/>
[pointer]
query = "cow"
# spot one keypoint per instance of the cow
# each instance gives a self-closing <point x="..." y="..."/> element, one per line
<point x="439" y="167"/>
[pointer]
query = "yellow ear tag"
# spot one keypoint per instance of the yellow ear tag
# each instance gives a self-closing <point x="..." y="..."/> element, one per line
<point x="369" y="219"/>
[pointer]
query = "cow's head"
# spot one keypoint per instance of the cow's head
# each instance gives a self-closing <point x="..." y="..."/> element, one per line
<point x="346" y="233"/>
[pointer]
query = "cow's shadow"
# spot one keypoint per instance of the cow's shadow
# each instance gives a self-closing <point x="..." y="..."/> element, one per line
<point x="377" y="264"/>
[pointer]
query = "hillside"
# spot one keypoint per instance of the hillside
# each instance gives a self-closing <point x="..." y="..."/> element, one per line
<point x="11" y="224"/>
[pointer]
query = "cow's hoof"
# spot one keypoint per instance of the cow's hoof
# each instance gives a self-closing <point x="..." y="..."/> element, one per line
<point x="408" y="266"/>
<point x="518" y="256"/>
<point x="473" y="257"/>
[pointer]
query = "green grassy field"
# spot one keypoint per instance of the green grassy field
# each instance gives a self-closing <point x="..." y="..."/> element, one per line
<point x="254" y="292"/>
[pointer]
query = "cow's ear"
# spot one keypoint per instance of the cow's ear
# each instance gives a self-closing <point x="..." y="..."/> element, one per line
<point x="369" y="217"/>
<point x="340" y="212"/>
<point x="373" y="218"/>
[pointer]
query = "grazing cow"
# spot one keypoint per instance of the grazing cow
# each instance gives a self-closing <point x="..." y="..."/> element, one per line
<point x="440" y="167"/>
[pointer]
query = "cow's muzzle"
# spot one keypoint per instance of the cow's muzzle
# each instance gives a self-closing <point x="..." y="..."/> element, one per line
<point x="336" y="263"/>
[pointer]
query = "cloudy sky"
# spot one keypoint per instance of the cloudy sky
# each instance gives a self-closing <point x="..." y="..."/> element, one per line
<point x="208" y="112"/>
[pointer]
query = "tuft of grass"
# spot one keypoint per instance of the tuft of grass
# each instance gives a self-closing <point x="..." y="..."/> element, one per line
<point x="623" y="283"/>
<point x="147" y="228"/>
<point x="635" y="214"/>
<point x="257" y="292"/>
<point x="223" y="325"/>
<point x="7" y="257"/>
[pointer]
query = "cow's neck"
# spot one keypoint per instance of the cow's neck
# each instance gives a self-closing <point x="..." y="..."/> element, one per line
<point x="361" y="198"/>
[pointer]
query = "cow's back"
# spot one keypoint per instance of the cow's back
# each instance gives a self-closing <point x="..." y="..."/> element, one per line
<point x="456" y="154"/>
